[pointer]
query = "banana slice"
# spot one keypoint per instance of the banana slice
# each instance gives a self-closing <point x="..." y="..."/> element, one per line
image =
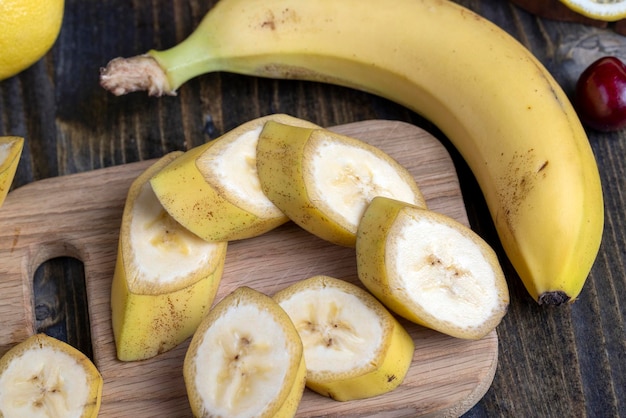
<point x="245" y="360"/>
<point x="165" y="277"/>
<point x="10" y="151"/>
<point x="213" y="190"/>
<point x="430" y="269"/>
<point x="353" y="347"/>
<point x="323" y="180"/>
<point x="43" y="377"/>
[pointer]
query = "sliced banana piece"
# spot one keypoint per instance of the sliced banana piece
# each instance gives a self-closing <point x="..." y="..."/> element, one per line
<point x="213" y="190"/>
<point x="323" y="180"/>
<point x="10" y="152"/>
<point x="430" y="269"/>
<point x="245" y="360"/>
<point x="165" y="277"/>
<point x="353" y="347"/>
<point x="43" y="377"/>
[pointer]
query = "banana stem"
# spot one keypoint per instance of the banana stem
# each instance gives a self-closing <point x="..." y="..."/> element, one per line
<point x="161" y="72"/>
<point x="140" y="73"/>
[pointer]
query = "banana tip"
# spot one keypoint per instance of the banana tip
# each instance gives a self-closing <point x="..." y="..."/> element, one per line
<point x="554" y="298"/>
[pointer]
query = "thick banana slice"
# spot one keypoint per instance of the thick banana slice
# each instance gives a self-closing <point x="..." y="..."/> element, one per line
<point x="213" y="190"/>
<point x="245" y="360"/>
<point x="165" y="277"/>
<point x="43" y="377"/>
<point x="353" y="347"/>
<point x="323" y="180"/>
<point x="430" y="269"/>
<point x="10" y="151"/>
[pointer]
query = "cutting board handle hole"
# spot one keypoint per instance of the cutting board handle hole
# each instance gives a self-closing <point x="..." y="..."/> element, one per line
<point x="60" y="302"/>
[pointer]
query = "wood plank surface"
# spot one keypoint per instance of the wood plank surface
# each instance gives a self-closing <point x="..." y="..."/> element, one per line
<point x="80" y="217"/>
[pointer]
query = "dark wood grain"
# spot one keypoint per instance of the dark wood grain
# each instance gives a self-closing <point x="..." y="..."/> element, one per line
<point x="563" y="362"/>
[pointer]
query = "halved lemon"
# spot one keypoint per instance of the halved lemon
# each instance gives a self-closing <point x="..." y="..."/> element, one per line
<point x="607" y="10"/>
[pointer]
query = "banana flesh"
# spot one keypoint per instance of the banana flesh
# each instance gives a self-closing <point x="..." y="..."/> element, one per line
<point x="490" y="96"/>
<point x="43" y="377"/>
<point x="213" y="190"/>
<point x="246" y="359"/>
<point x="10" y="151"/>
<point x="323" y="181"/>
<point x="430" y="269"/>
<point x="353" y="347"/>
<point x="165" y="277"/>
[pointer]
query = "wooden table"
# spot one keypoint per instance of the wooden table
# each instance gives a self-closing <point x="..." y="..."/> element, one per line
<point x="568" y="361"/>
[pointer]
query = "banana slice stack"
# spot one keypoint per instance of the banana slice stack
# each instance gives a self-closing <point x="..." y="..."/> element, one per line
<point x="323" y="181"/>
<point x="213" y="190"/>
<point x="252" y="354"/>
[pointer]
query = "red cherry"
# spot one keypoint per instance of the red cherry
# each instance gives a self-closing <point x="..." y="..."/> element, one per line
<point x="601" y="95"/>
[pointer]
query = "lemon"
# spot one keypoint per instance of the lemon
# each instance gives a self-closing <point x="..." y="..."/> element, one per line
<point x="28" y="29"/>
<point x="607" y="10"/>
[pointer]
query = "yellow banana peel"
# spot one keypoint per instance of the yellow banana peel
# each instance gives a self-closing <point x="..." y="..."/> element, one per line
<point x="498" y="105"/>
<point x="10" y="151"/>
<point x="165" y="278"/>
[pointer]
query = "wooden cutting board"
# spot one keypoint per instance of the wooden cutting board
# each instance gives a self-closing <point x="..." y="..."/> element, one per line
<point x="79" y="216"/>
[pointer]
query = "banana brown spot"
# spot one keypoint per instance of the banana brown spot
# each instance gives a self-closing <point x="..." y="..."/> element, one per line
<point x="520" y="179"/>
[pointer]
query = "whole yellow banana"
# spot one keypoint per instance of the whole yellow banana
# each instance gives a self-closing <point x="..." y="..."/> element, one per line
<point x="491" y="97"/>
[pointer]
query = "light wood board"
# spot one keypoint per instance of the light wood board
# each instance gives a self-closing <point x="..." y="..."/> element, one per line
<point x="79" y="216"/>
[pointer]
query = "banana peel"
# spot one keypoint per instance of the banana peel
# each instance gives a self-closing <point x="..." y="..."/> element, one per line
<point x="165" y="277"/>
<point x="10" y="152"/>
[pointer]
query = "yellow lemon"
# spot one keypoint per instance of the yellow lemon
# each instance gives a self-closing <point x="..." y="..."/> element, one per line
<point x="607" y="10"/>
<point x="28" y="29"/>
